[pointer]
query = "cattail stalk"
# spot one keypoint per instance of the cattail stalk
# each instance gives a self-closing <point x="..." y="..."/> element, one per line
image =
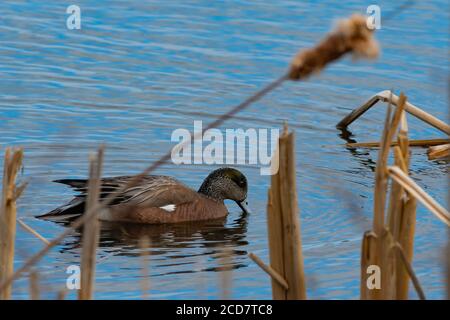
<point x="390" y="246"/>
<point x="11" y="165"/>
<point x="274" y="226"/>
<point x="376" y="248"/>
<point x="34" y="286"/>
<point x="412" y="143"/>
<point x="368" y="258"/>
<point x="92" y="229"/>
<point x="405" y="230"/>
<point x="285" y="245"/>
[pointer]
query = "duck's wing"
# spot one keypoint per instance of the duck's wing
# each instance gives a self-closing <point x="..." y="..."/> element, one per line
<point x="151" y="191"/>
<point x="107" y="186"/>
<point x="159" y="191"/>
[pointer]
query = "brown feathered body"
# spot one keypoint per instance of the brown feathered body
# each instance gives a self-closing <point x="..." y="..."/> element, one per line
<point x="158" y="199"/>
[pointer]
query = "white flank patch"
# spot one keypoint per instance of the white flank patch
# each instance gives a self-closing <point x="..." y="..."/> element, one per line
<point x="169" y="208"/>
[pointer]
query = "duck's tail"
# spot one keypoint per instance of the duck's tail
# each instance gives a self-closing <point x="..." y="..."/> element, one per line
<point x="72" y="209"/>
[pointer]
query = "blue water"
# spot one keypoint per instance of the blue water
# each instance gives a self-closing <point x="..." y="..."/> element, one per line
<point x="138" y="70"/>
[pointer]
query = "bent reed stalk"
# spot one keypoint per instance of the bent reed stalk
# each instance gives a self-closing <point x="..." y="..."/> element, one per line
<point x="389" y="245"/>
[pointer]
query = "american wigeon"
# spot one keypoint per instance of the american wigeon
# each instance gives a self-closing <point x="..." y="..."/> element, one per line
<point x="160" y="199"/>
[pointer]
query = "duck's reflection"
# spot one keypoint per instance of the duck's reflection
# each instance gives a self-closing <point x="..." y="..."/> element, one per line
<point x="211" y="233"/>
<point x="361" y="154"/>
<point x="212" y="238"/>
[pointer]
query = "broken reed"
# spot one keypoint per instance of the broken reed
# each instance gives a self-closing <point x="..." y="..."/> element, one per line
<point x="392" y="99"/>
<point x="439" y="152"/>
<point x="379" y="243"/>
<point x="401" y="216"/>
<point x="412" y="143"/>
<point x="389" y="244"/>
<point x="10" y="193"/>
<point x="283" y="223"/>
<point x="91" y="230"/>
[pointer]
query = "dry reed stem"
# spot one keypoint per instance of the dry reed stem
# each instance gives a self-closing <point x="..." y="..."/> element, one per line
<point x="271" y="272"/>
<point x="368" y="258"/>
<point x="439" y="152"/>
<point x="399" y="234"/>
<point x="34" y="286"/>
<point x="226" y="260"/>
<point x="405" y="215"/>
<point x="447" y="257"/>
<point x="406" y="241"/>
<point x="19" y="190"/>
<point x="388" y="96"/>
<point x="350" y="36"/>
<point x="403" y="140"/>
<point x="380" y="171"/>
<point x="91" y="230"/>
<point x="388" y="266"/>
<point x="407" y="265"/>
<point x="11" y="165"/>
<point x="412" y="143"/>
<point x="396" y="196"/>
<point x="283" y="224"/>
<point x="380" y="188"/>
<point x="61" y="295"/>
<point x="144" y="245"/>
<point x="396" y="199"/>
<point x="294" y="269"/>
<point x="275" y="231"/>
<point x="32" y="231"/>
<point x="416" y="191"/>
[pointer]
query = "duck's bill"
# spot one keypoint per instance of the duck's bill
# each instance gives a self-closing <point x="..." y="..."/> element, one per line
<point x="244" y="206"/>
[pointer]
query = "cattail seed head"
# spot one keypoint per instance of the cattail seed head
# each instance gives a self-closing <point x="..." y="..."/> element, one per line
<point x="350" y="36"/>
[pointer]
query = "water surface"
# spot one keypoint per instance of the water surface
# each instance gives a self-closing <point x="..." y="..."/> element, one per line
<point x="138" y="70"/>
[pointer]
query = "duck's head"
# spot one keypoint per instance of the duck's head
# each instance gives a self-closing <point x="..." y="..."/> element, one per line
<point x="226" y="183"/>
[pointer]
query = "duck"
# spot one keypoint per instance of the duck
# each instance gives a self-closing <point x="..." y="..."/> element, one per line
<point x="159" y="199"/>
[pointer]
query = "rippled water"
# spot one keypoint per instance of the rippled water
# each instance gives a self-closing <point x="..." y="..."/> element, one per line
<point x="136" y="71"/>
